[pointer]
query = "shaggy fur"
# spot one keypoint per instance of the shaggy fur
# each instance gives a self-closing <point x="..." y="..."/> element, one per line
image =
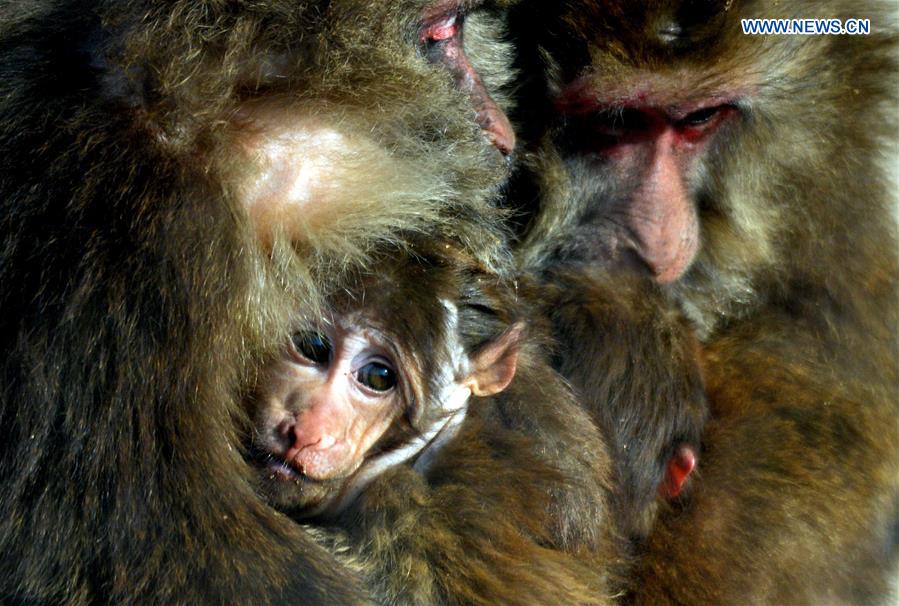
<point x="514" y="509"/>
<point x="137" y="293"/>
<point x="794" y="292"/>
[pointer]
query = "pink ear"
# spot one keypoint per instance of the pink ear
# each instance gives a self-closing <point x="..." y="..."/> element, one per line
<point x="680" y="466"/>
<point x="494" y="364"/>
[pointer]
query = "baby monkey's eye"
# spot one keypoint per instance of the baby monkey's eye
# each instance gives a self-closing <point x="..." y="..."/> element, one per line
<point x="377" y="376"/>
<point x="312" y="346"/>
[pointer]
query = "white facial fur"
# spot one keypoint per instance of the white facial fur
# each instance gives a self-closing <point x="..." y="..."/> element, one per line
<point x="453" y="399"/>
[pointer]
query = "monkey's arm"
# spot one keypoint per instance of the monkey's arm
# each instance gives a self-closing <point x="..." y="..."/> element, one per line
<point x="472" y="532"/>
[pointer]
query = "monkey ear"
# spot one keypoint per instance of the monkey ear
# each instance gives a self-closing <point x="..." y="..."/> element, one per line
<point x="680" y="466"/>
<point x="494" y="364"/>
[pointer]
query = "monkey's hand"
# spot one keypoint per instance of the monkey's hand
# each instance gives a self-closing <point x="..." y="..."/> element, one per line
<point x="473" y="531"/>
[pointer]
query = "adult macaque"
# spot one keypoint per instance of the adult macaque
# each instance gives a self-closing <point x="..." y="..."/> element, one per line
<point x="403" y="419"/>
<point x="179" y="178"/>
<point x="744" y="175"/>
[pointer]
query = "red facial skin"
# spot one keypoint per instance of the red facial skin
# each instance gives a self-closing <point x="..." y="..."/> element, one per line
<point x="656" y="138"/>
<point x="442" y="25"/>
<point x="657" y="141"/>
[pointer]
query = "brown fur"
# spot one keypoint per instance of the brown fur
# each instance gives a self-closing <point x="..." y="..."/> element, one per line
<point x="633" y="361"/>
<point x="793" y="291"/>
<point x="506" y="506"/>
<point x="137" y="290"/>
<point x="474" y="531"/>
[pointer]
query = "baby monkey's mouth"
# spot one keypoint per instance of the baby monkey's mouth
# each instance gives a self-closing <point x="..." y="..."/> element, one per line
<point x="287" y="488"/>
<point x="285" y="470"/>
<point x="278" y="467"/>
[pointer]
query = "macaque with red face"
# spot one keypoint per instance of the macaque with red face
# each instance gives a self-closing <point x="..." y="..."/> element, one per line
<point x="420" y="420"/>
<point x="743" y="181"/>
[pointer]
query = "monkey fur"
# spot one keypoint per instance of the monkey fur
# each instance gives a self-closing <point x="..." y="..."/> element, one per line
<point x="781" y="246"/>
<point x="146" y="270"/>
<point x="632" y="359"/>
<point x="512" y="509"/>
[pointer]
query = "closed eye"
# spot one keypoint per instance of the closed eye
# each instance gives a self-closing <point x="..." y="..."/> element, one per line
<point x="700" y="117"/>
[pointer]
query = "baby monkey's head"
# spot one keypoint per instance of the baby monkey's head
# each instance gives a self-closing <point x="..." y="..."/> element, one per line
<point x="384" y="379"/>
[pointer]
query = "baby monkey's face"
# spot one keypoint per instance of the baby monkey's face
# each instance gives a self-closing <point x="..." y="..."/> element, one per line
<point x="340" y="406"/>
<point x="321" y="409"/>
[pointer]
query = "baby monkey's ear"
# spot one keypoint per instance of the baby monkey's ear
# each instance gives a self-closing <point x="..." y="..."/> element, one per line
<point x="494" y="364"/>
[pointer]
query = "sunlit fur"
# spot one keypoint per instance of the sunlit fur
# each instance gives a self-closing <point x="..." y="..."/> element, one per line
<point x="137" y="297"/>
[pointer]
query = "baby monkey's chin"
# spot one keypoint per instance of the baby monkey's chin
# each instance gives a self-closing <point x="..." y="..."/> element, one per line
<point x="288" y="490"/>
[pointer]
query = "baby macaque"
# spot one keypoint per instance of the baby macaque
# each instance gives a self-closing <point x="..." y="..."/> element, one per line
<point x="421" y="421"/>
<point x="344" y="404"/>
